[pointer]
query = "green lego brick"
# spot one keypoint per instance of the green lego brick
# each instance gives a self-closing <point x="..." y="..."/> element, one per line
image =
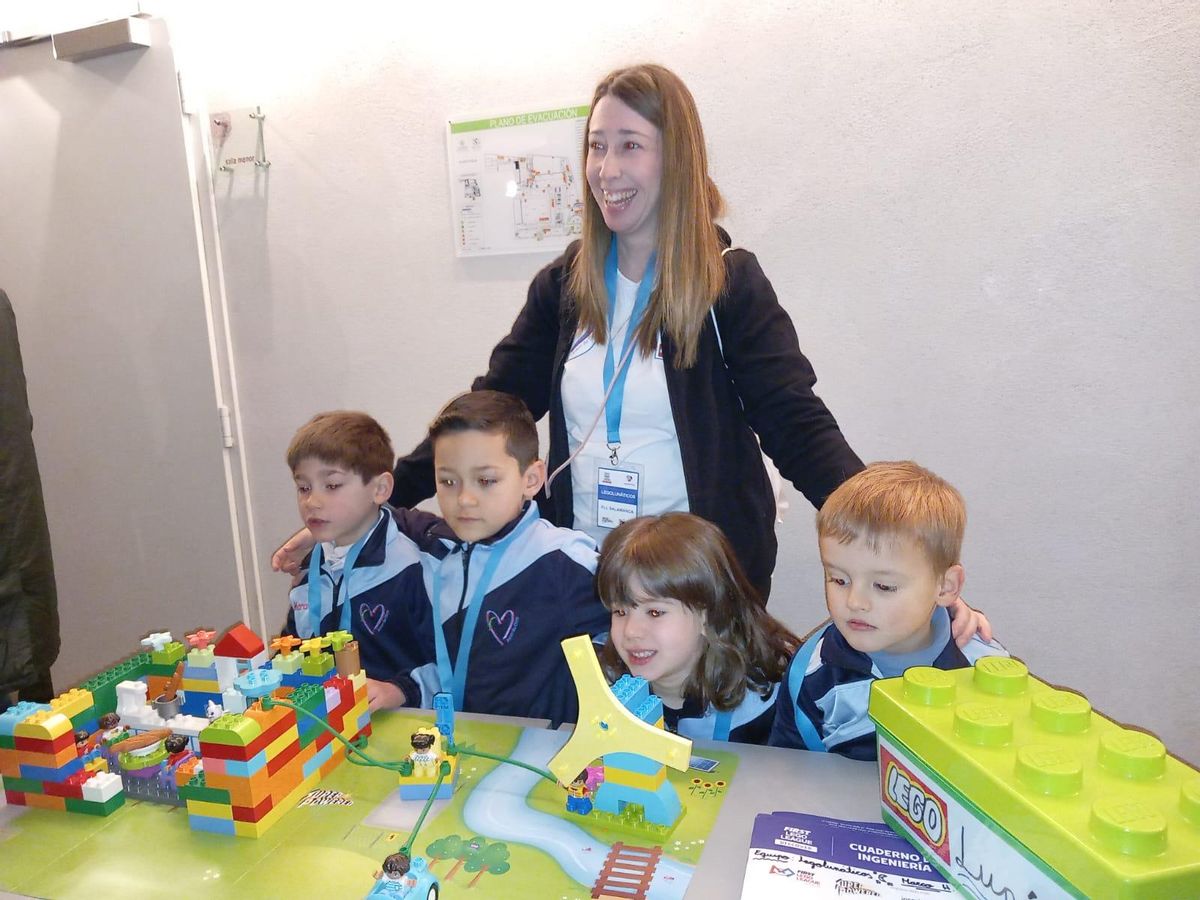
<point x="8" y="742"/>
<point x="231" y="729"/>
<point x="1102" y="805"/>
<point x="317" y="664"/>
<point x="24" y="785"/>
<point x="95" y="808"/>
<point x="170" y="655"/>
<point x="197" y="789"/>
<point x="131" y="762"/>
<point x="83" y="718"/>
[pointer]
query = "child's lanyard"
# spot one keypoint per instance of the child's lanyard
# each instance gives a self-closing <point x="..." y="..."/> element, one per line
<point x="721" y="726"/>
<point x="612" y="407"/>
<point x="457" y="675"/>
<point x="314" y="584"/>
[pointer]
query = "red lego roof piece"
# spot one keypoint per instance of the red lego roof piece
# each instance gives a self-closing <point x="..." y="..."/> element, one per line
<point x="240" y="642"/>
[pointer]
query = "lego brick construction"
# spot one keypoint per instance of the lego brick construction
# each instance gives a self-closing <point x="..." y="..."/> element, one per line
<point x="503" y="832"/>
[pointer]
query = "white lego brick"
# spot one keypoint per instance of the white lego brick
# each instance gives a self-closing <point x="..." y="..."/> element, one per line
<point x="102" y="786"/>
<point x="190" y="726"/>
<point x="143" y="720"/>
<point x="131" y="697"/>
<point x="333" y="698"/>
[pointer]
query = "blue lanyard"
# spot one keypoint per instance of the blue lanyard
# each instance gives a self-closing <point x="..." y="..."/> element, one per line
<point x="616" y="400"/>
<point x="456" y="676"/>
<point x="721" y="726"/>
<point x="314" y="583"/>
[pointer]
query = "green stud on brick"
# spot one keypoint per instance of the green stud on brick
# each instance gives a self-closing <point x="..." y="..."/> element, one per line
<point x="1061" y="712"/>
<point x="1129" y="826"/>
<point x="983" y="724"/>
<point x="1001" y="676"/>
<point x="1133" y="754"/>
<point x="927" y="686"/>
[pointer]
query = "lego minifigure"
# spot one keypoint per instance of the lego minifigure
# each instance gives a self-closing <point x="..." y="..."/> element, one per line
<point x="579" y="796"/>
<point x="425" y="756"/>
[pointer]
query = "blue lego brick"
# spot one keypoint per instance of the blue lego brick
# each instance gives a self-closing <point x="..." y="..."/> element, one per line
<point x="210" y="823"/>
<point x="15" y="715"/>
<point x="632" y="762"/>
<point x="257" y="684"/>
<point x="631" y="692"/>
<point x="245" y="769"/>
<point x="650" y="712"/>
<point x="443" y="704"/>
<point x="45" y="773"/>
<point x="319" y="759"/>
<point x="195" y="703"/>
<point x="422" y="791"/>
<point x="200" y="673"/>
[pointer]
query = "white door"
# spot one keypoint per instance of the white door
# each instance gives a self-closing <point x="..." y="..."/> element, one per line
<point x="101" y="255"/>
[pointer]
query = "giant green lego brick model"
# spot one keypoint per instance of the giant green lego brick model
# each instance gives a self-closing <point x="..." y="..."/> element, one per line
<point x="1013" y="788"/>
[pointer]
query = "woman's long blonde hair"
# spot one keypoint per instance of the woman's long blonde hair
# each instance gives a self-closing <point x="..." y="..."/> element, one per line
<point x="691" y="273"/>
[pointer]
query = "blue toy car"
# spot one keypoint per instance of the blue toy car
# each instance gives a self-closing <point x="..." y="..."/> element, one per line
<point x="410" y="879"/>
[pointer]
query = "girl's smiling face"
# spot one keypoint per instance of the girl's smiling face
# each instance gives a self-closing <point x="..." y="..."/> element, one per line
<point x="659" y="639"/>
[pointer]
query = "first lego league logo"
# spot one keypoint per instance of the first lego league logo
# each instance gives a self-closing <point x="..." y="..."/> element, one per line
<point x="915" y="804"/>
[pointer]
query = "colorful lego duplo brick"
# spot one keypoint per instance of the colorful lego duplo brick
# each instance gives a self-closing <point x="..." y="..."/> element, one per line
<point x="1000" y="778"/>
<point x="257" y="762"/>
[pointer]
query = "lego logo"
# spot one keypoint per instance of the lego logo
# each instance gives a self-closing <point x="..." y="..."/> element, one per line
<point x="910" y="799"/>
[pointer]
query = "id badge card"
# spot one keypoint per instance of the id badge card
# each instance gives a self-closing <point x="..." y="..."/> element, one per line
<point x="618" y="494"/>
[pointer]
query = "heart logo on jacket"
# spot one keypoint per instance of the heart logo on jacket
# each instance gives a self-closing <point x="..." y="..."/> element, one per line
<point x="372" y="616"/>
<point x="502" y="626"/>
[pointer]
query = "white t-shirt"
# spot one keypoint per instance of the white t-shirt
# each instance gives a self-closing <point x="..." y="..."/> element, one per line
<point x="648" y="437"/>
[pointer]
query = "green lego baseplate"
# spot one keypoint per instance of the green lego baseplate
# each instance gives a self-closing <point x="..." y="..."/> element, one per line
<point x="1103" y="805"/>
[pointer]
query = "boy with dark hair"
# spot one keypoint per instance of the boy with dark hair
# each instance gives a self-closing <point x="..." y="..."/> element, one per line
<point x="890" y="539"/>
<point x="484" y="594"/>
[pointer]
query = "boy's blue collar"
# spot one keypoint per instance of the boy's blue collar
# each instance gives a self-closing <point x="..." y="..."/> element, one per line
<point x="837" y="652"/>
<point x="529" y="510"/>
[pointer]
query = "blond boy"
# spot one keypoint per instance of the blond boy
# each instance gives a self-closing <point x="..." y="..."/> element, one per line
<point x="891" y="541"/>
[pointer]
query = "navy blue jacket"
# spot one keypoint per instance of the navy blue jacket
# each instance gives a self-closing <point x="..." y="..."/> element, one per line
<point x="752" y="380"/>
<point x="542" y="592"/>
<point x="836" y="685"/>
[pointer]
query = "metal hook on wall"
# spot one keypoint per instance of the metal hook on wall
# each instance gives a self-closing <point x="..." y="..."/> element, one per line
<point x="260" y="151"/>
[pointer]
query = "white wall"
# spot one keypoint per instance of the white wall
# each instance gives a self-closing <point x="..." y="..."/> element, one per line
<point x="982" y="218"/>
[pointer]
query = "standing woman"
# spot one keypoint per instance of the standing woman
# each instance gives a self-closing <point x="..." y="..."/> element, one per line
<point x="704" y="357"/>
<point x="658" y="351"/>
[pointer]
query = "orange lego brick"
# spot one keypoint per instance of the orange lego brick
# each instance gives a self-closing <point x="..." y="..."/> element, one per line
<point x="46" y="801"/>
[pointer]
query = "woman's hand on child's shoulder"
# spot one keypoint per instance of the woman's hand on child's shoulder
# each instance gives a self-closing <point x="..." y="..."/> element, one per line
<point x="966" y="622"/>
<point x="289" y="556"/>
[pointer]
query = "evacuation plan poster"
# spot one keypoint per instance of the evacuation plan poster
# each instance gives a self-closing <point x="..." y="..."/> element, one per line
<point x="516" y="184"/>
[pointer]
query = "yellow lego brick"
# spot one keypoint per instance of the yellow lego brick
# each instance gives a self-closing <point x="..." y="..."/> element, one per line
<point x="44" y="725"/>
<point x="212" y="810"/>
<point x="99" y="764"/>
<point x="257" y="829"/>
<point x="71" y="703"/>
<point x="359" y="680"/>
<point x="199" y="684"/>
<point x="281" y="743"/>
<point x="635" y="779"/>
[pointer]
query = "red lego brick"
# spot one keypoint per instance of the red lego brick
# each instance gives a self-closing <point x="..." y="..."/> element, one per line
<point x="39" y="745"/>
<point x="283" y="758"/>
<point x="253" y="813"/>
